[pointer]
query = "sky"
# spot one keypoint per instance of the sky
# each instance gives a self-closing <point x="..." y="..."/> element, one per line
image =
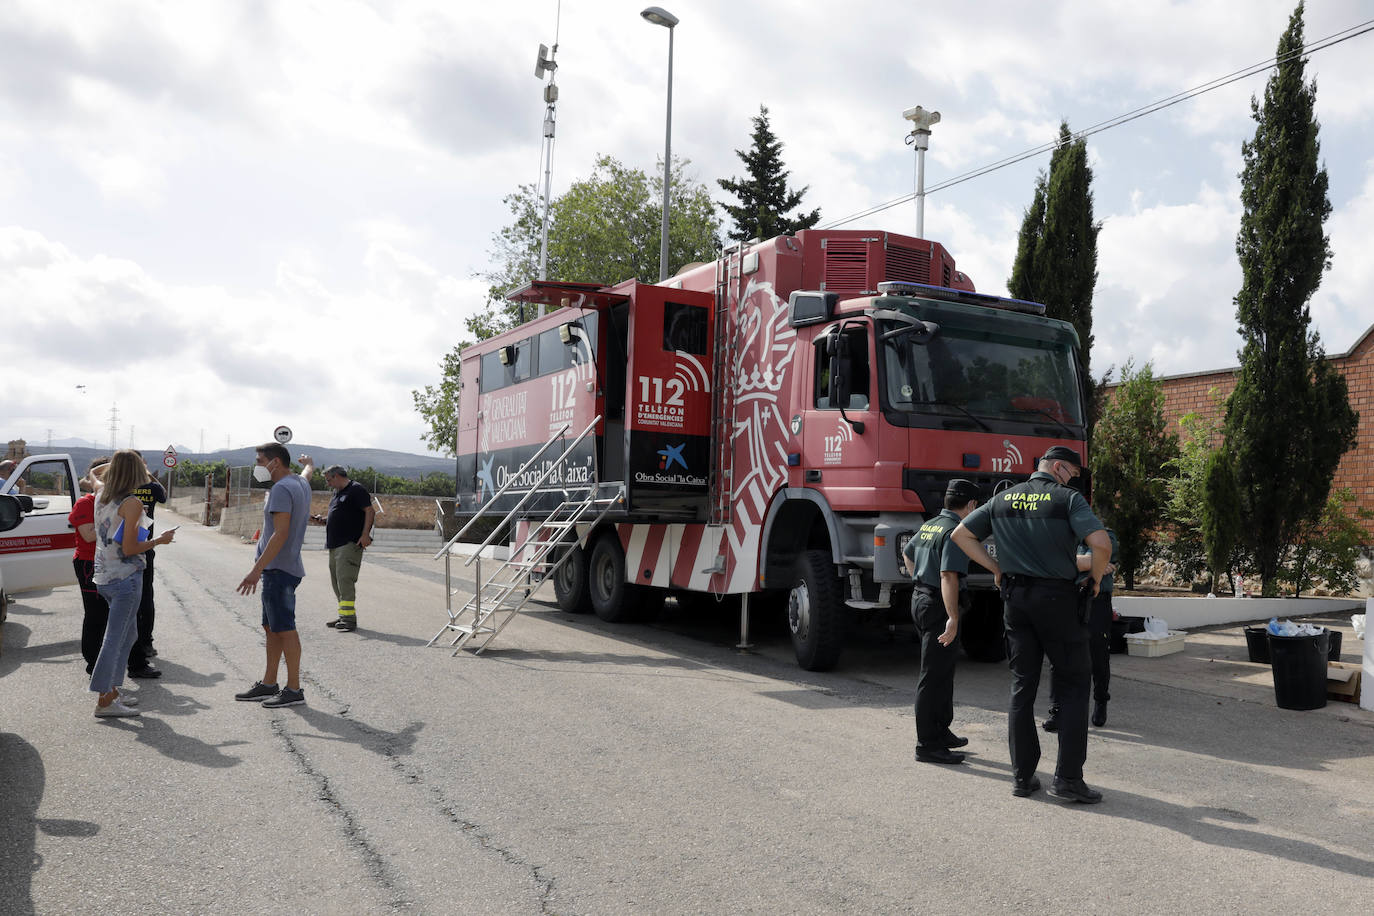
<point x="220" y="216"/>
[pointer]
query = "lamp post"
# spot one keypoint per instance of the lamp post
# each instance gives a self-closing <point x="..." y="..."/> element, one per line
<point x="659" y="16"/>
<point x="921" y="122"/>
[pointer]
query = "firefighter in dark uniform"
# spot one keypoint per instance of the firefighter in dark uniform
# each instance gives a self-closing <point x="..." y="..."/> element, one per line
<point x="938" y="569"/>
<point x="1038" y="526"/>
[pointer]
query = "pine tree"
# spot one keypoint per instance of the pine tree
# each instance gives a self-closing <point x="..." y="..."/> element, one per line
<point x="1289" y="420"/>
<point x="1056" y="253"/>
<point x="764" y="198"/>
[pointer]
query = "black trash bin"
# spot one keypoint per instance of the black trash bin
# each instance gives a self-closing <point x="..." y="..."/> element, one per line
<point x="1299" y="664"/>
<point x="1335" y="652"/>
<point x="1120" y="627"/>
<point x="1257" y="644"/>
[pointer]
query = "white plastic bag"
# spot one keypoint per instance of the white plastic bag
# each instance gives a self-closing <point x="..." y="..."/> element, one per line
<point x="1357" y="621"/>
<point x="1155" y="628"/>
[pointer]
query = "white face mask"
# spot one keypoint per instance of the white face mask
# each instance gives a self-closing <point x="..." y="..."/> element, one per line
<point x="261" y="474"/>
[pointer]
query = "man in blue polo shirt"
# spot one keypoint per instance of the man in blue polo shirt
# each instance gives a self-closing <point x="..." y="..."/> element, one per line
<point x="279" y="568"/>
<point x="1038" y="526"/>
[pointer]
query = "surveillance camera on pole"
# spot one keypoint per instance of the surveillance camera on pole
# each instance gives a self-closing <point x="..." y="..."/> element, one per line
<point x="921" y="123"/>
<point x="545" y="65"/>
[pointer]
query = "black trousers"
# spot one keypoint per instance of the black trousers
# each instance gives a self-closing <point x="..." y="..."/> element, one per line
<point x="1042" y="621"/>
<point x="96" y="614"/>
<point x="1099" y="650"/>
<point x="935" y="686"/>
<point x="138" y="655"/>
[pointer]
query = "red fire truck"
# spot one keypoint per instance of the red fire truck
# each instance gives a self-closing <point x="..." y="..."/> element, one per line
<point x="774" y="424"/>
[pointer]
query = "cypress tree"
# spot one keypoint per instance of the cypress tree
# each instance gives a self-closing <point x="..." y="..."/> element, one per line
<point x="1289" y="420"/>
<point x="1056" y="252"/>
<point x="764" y="198"/>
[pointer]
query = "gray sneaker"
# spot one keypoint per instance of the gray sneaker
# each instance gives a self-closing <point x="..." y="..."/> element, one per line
<point x="287" y="697"/>
<point x="259" y="691"/>
<point x="115" y="710"/>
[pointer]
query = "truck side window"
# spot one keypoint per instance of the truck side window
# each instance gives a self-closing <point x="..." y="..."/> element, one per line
<point x="684" y="328"/>
<point x="860" y="395"/>
<point x="493" y="374"/>
<point x="521" y="370"/>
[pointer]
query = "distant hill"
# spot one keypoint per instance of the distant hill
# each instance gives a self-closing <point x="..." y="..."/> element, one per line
<point x="384" y="461"/>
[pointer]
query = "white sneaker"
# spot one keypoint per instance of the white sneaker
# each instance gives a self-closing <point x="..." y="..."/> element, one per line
<point x="115" y="709"/>
<point x="128" y="699"/>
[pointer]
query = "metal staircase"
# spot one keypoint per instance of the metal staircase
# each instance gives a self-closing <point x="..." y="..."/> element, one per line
<point x="504" y="593"/>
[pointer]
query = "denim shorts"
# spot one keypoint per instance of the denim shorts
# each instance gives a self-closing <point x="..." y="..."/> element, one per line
<point x="279" y="600"/>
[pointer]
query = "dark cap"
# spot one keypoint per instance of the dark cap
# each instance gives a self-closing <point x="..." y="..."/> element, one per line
<point x="963" y="489"/>
<point x="1063" y="453"/>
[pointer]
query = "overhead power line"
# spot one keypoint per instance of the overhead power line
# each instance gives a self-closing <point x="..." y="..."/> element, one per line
<point x="1318" y="45"/>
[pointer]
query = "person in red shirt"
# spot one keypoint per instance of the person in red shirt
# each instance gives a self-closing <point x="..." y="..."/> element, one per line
<point x="82" y="518"/>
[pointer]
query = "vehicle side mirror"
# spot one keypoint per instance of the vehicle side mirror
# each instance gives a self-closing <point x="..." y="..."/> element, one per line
<point x="840" y="369"/>
<point x="10" y="512"/>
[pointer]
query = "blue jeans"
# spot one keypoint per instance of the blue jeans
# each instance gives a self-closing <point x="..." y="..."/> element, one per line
<point x="123" y="596"/>
<point x="279" y="600"/>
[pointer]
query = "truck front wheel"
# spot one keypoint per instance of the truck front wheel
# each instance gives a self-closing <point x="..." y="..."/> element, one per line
<point x="815" y="612"/>
<point x="570" y="583"/>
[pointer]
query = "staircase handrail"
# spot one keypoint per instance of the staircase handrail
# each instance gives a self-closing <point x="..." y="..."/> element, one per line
<point x="514" y="477"/>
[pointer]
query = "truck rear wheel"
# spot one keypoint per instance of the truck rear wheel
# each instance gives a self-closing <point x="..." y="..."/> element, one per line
<point x="815" y="612"/>
<point x="570" y="583"/>
<point x="614" y="599"/>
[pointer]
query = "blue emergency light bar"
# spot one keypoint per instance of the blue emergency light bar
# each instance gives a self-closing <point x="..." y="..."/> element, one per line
<point x="905" y="288"/>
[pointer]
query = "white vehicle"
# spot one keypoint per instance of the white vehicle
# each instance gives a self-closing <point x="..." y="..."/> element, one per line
<point x="36" y="540"/>
<point x="10" y="516"/>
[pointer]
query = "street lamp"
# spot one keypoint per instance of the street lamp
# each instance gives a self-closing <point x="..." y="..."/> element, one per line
<point x="659" y="16"/>
<point x="921" y="122"/>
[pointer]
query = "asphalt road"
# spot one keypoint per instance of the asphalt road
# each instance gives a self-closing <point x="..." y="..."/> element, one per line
<point x="583" y="768"/>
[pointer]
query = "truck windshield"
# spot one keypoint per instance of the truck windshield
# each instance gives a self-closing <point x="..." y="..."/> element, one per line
<point x="967" y="372"/>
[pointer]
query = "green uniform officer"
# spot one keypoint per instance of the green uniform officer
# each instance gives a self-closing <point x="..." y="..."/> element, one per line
<point x="1038" y="526"/>
<point x="938" y="567"/>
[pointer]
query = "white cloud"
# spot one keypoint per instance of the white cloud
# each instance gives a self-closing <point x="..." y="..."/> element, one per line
<point x="294" y="198"/>
<point x="1340" y="308"/>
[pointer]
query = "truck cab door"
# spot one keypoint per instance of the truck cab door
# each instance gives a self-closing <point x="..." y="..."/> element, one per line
<point x="838" y="439"/>
<point x="37" y="553"/>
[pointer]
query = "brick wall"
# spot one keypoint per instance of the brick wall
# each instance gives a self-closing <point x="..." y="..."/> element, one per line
<point x="1193" y="393"/>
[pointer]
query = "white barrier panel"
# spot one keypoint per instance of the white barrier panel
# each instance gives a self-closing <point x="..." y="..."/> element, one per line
<point x="1367" y="679"/>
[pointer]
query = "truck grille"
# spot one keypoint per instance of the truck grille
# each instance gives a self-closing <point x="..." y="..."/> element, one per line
<point x="846" y="266"/>
<point x="908" y="264"/>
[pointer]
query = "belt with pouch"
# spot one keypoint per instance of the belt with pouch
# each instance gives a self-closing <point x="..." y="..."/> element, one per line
<point x="1018" y="580"/>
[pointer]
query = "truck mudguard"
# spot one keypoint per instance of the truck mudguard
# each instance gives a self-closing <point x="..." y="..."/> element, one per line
<point x="783" y="538"/>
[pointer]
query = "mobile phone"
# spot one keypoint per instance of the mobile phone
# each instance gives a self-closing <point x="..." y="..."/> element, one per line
<point x="171" y="529"/>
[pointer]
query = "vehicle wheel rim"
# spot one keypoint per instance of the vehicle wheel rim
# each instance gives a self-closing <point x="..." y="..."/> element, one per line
<point x="603" y="578"/>
<point x="564" y="577"/>
<point x="799" y="611"/>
